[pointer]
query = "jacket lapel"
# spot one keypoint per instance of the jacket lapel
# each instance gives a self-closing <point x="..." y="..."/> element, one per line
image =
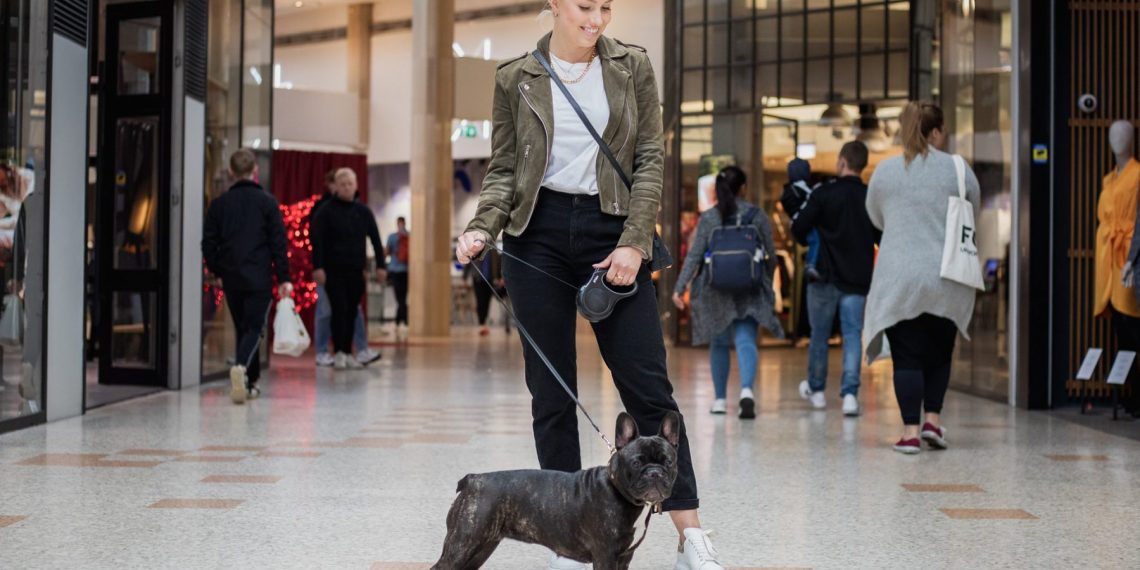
<point x="615" y="77"/>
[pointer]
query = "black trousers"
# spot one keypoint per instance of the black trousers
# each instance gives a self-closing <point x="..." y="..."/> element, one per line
<point x="1127" y="331"/>
<point x="344" y="287"/>
<point x="566" y="236"/>
<point x="249" y="310"/>
<point x="922" y="350"/>
<point x="482" y="299"/>
<point x="399" y="283"/>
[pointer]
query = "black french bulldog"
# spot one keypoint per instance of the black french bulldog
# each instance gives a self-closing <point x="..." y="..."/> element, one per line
<point x="589" y="516"/>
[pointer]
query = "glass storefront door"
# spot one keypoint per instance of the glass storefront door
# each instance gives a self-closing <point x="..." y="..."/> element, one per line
<point x="23" y="241"/>
<point x="133" y="197"/>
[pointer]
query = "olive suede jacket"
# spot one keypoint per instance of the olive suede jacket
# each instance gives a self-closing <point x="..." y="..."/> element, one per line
<point x="523" y="125"/>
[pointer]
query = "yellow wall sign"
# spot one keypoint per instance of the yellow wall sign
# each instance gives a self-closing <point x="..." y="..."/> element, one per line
<point x="1040" y="154"/>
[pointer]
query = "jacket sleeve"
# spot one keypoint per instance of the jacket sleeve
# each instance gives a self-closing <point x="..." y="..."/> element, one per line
<point x="804" y="222"/>
<point x="278" y="245"/>
<point x="1134" y="249"/>
<point x="316" y="238"/>
<point x="373" y="236"/>
<point x="498" y="190"/>
<point x="874" y="200"/>
<point x="211" y="234"/>
<point x="695" y="257"/>
<point x="648" y="164"/>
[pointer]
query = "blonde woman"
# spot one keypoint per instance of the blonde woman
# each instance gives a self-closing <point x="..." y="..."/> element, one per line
<point x="920" y="313"/>
<point x="566" y="210"/>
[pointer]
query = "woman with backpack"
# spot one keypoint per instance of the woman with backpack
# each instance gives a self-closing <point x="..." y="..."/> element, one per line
<point x="733" y="242"/>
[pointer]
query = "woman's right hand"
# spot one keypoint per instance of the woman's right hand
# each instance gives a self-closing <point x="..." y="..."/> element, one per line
<point x="469" y="246"/>
<point x="678" y="301"/>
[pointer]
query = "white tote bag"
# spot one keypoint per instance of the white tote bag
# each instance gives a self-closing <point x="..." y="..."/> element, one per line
<point x="960" y="249"/>
<point x="289" y="334"/>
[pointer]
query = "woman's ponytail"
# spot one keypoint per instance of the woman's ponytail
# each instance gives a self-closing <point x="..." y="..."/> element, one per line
<point x="917" y="121"/>
<point x="729" y="181"/>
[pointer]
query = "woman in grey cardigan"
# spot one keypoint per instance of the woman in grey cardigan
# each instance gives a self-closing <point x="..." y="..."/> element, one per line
<point x="919" y="312"/>
<point x="723" y="318"/>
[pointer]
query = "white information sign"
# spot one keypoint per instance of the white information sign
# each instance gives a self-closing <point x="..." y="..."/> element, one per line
<point x="1121" y="367"/>
<point x="1089" y="365"/>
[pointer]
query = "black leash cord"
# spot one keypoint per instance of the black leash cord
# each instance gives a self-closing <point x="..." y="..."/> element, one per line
<point x="542" y="355"/>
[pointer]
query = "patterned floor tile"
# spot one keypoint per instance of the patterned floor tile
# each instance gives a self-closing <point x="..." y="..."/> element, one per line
<point x="233" y="448"/>
<point x="264" y="479"/>
<point x="153" y="452"/>
<point x="9" y="520"/>
<point x="85" y="460"/>
<point x="1055" y="457"/>
<point x="208" y="459"/>
<point x="941" y="488"/>
<point x="196" y="504"/>
<point x="293" y="454"/>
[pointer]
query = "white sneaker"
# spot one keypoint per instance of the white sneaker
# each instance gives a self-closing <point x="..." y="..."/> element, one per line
<point x="402" y="333"/>
<point x="747" y="404"/>
<point x="719" y="406"/>
<point x="238" y="391"/>
<point x="817" y="399"/>
<point x="560" y="563"/>
<point x="697" y="553"/>
<point x="850" y="405"/>
<point x="340" y="361"/>
<point x="367" y="356"/>
<point x="325" y="359"/>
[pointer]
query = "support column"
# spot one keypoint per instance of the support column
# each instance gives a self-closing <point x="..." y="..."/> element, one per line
<point x="433" y="78"/>
<point x="359" y="38"/>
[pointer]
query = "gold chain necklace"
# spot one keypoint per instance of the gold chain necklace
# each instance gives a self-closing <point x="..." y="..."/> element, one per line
<point x="590" y="63"/>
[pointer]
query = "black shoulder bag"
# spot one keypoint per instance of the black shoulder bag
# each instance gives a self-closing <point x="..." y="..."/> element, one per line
<point x="662" y="259"/>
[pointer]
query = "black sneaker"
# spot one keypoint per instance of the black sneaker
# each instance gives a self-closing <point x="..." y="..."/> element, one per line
<point x="747" y="404"/>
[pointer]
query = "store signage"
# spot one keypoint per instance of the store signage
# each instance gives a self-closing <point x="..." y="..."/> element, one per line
<point x="1040" y="154"/>
<point x="470" y="132"/>
<point x="1089" y="365"/>
<point x="1121" y="367"/>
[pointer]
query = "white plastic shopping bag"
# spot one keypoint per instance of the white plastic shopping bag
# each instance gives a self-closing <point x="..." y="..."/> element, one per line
<point x="289" y="334"/>
<point x="960" y="250"/>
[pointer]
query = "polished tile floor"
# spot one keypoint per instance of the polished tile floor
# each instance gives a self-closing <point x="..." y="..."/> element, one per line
<point x="357" y="470"/>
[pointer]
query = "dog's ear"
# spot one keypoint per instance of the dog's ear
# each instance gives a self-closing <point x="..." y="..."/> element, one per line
<point x="626" y="430"/>
<point x="671" y="429"/>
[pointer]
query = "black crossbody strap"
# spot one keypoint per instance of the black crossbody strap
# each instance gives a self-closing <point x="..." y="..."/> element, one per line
<point x="605" y="148"/>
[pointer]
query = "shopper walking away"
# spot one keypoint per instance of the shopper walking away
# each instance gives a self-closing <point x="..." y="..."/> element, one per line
<point x="837" y="214"/>
<point x="724" y="319"/>
<point x="918" y="311"/>
<point x="566" y="209"/>
<point x="398" y="251"/>
<point x="340" y="228"/>
<point x="243" y="242"/>
<point x="796" y="193"/>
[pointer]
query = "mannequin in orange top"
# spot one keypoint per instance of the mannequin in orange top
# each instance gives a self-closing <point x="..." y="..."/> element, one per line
<point x="1117" y="248"/>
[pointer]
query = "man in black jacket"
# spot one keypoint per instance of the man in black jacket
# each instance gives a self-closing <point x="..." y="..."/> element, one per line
<point x="244" y="244"/>
<point x="338" y="232"/>
<point x="838" y="212"/>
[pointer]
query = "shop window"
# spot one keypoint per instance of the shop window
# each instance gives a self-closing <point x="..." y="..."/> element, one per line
<point x="767" y="39"/>
<point x="693" y="46"/>
<point x="819" y="34"/>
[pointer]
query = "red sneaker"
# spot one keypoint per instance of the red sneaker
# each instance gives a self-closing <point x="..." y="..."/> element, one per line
<point x="909" y="446"/>
<point x="934" y="436"/>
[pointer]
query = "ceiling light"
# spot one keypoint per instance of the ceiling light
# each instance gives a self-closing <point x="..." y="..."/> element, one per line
<point x="298" y="4"/>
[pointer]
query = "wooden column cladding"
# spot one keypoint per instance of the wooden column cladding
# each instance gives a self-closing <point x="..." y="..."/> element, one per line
<point x="1105" y="62"/>
<point x="432" y="169"/>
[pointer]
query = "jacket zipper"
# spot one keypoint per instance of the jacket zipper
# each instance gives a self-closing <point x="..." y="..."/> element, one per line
<point x="546" y="133"/>
<point x="618" y="183"/>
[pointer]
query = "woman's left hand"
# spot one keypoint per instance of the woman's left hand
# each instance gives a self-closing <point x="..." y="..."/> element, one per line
<point x="623" y="264"/>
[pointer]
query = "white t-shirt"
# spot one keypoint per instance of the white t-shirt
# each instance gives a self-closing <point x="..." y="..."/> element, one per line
<point x="573" y="158"/>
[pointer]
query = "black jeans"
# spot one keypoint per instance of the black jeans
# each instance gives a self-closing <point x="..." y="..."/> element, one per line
<point x="922" y="350"/>
<point x="345" y="287"/>
<point x="483" y="295"/>
<point x="399" y="283"/>
<point x="249" y="310"/>
<point x="565" y="237"/>
<point x="1127" y="331"/>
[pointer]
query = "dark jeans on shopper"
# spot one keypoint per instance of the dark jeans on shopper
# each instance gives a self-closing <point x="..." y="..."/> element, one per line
<point x="345" y="288"/>
<point x="922" y="350"/>
<point x="566" y="235"/>
<point x="399" y="283"/>
<point x="249" y="310"/>
<point x="483" y="293"/>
